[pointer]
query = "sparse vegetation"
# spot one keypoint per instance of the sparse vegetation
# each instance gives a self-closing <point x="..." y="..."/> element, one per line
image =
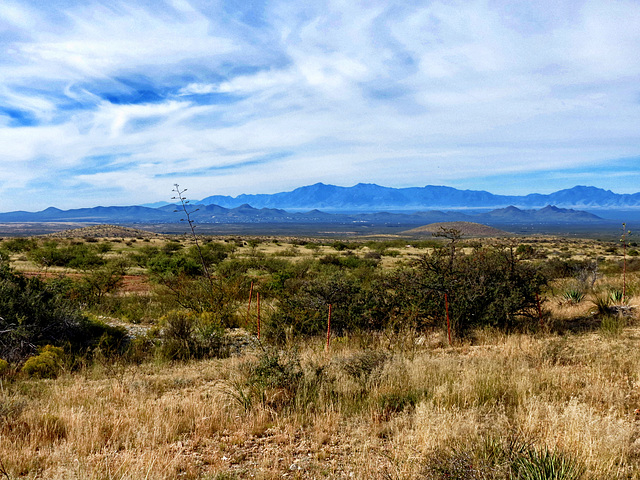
<point x="540" y="381"/>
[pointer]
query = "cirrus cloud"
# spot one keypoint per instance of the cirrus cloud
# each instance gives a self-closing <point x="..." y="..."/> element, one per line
<point x="113" y="102"/>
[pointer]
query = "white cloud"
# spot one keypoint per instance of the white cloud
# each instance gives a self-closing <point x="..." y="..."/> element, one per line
<point x="104" y="40"/>
<point x="396" y="93"/>
<point x="198" y="89"/>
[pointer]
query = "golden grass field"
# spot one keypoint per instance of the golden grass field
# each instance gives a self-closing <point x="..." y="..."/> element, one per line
<point x="575" y="393"/>
<point x="376" y="406"/>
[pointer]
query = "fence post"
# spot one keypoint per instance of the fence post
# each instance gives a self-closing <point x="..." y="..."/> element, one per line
<point x="258" y="302"/>
<point x="249" y="306"/>
<point x="446" y="309"/>
<point x="328" y="329"/>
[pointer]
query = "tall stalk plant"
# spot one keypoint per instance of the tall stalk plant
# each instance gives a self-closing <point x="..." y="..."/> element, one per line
<point x="184" y="204"/>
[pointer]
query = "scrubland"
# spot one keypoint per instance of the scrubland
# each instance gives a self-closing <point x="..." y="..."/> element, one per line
<point x="550" y="391"/>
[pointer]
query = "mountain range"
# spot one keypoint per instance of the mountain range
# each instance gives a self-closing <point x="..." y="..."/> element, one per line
<point x="246" y="214"/>
<point x="362" y="204"/>
<point x="365" y="197"/>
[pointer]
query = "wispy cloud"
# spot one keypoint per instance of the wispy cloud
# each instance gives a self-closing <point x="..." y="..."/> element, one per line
<point x="113" y="102"/>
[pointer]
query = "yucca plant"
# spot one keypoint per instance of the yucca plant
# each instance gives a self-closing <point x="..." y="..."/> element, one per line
<point x="603" y="302"/>
<point x="573" y="296"/>
<point x="546" y="464"/>
<point x="617" y="296"/>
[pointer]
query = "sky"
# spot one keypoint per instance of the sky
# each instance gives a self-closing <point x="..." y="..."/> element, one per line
<point x="113" y="102"/>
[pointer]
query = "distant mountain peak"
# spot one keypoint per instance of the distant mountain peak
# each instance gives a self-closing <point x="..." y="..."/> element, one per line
<point x="371" y="197"/>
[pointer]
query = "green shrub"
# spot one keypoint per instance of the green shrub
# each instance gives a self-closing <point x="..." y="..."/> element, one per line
<point x="525" y="251"/>
<point x="171" y="247"/>
<point x="275" y="381"/>
<point x="47" y="364"/>
<point x="216" y="295"/>
<point x="163" y="265"/>
<point x="19" y="244"/>
<point x="212" y="253"/>
<point x="359" y="303"/>
<point x="349" y="261"/>
<point x="173" y="260"/>
<point x="489" y="287"/>
<point x="567" y="268"/>
<point x="35" y="314"/>
<point x="188" y="335"/>
<point x="97" y="283"/>
<point x="4" y="367"/>
<point x="341" y="246"/>
<point x="76" y="256"/>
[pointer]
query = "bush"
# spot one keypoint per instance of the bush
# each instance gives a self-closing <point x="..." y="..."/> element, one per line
<point x="34" y="314"/>
<point x="212" y="253"/>
<point x="163" y="265"/>
<point x="77" y="256"/>
<point x="358" y="303"/>
<point x="4" y="367"/>
<point x="276" y="381"/>
<point x="47" y="364"/>
<point x="187" y="335"/>
<point x="559" y="268"/>
<point x="525" y="251"/>
<point x="218" y="296"/>
<point x="349" y="261"/>
<point x="19" y="244"/>
<point x="341" y="246"/>
<point x="489" y="287"/>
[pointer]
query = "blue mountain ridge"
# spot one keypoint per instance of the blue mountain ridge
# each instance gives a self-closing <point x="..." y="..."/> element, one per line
<point x="246" y="214"/>
<point x="320" y="203"/>
<point x="372" y="197"/>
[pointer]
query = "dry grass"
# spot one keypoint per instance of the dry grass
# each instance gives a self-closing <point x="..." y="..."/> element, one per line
<point x="375" y="407"/>
<point x="374" y="412"/>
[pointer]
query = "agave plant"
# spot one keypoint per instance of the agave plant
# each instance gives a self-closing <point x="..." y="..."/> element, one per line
<point x="603" y="302"/>
<point x="547" y="464"/>
<point x="617" y="296"/>
<point x="573" y="296"/>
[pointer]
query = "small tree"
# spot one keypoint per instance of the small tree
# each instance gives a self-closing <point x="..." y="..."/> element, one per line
<point x="490" y="286"/>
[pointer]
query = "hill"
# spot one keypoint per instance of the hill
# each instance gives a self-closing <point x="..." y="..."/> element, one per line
<point x="467" y="229"/>
<point x="104" y="231"/>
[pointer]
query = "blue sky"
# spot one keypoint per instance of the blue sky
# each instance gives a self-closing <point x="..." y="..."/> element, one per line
<point x="111" y="103"/>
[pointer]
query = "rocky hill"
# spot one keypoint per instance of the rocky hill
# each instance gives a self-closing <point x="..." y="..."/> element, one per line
<point x="467" y="229"/>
